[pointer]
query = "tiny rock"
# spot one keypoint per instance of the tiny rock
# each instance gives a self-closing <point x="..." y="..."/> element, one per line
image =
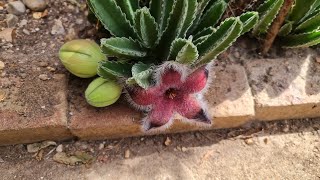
<point x="43" y="77"/>
<point x="318" y="60"/>
<point x="2" y="65"/>
<point x="1" y="160"/>
<point x="168" y="142"/>
<point x="184" y="149"/>
<point x="6" y="34"/>
<point x="101" y="146"/>
<point x="43" y="64"/>
<point x="16" y="8"/>
<point x="249" y="141"/>
<point x="25" y="31"/>
<point x="36" y="5"/>
<point x="11" y="20"/>
<point x="127" y="154"/>
<point x="23" y="22"/>
<point x="59" y="148"/>
<point x="57" y="28"/>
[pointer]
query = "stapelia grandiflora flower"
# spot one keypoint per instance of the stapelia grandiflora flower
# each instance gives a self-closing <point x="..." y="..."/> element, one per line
<point x="173" y="94"/>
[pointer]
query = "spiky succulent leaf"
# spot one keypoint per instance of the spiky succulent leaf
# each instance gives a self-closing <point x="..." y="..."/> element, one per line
<point x="179" y="21"/>
<point x="160" y="10"/>
<point x="142" y="74"/>
<point x="220" y="40"/>
<point x="302" y="8"/>
<point x="146" y="27"/>
<point x="205" y="32"/>
<point x="309" y="25"/>
<point x="200" y="9"/>
<point x="268" y="12"/>
<point x="117" y="69"/>
<point x="213" y="15"/>
<point x="249" y="20"/>
<point x="301" y="40"/>
<point x="188" y="54"/>
<point x="176" y="47"/>
<point x="128" y="7"/>
<point x="111" y="16"/>
<point x="122" y="48"/>
<point x="286" y="29"/>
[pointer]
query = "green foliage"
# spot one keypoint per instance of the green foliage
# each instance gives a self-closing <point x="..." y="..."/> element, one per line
<point x="302" y="25"/>
<point x="177" y="30"/>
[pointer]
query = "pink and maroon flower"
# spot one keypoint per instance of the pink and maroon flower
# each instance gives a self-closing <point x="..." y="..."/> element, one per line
<point x="173" y="94"/>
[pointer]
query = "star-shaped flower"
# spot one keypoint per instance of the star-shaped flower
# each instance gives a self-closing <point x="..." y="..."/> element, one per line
<point x="173" y="94"/>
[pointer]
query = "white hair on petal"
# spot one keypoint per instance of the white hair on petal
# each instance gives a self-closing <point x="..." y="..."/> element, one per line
<point x="184" y="70"/>
<point x="132" y="103"/>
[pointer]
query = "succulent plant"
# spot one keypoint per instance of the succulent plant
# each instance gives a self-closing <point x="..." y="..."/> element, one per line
<point x="161" y="52"/>
<point x="102" y="92"/>
<point x="301" y="27"/>
<point x="81" y="57"/>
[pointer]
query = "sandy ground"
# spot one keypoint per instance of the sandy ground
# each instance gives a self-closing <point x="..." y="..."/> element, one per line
<point x="280" y="150"/>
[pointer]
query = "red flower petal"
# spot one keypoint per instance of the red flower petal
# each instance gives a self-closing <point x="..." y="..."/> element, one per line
<point x="196" y="81"/>
<point x="161" y="113"/>
<point x="170" y="79"/>
<point x="143" y="97"/>
<point x="191" y="109"/>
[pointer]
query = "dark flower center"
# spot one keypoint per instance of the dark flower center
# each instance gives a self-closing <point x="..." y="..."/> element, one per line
<point x="171" y="93"/>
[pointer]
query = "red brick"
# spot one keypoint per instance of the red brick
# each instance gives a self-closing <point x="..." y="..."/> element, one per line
<point x="16" y="129"/>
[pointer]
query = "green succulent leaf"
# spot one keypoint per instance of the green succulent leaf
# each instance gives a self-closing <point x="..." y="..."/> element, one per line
<point x="122" y="48"/>
<point x="142" y="74"/>
<point x="301" y="9"/>
<point x="176" y="47"/>
<point x="146" y="28"/>
<point x="179" y="21"/>
<point x="205" y="32"/>
<point x="160" y="10"/>
<point x="301" y="40"/>
<point x="249" y="20"/>
<point x="188" y="54"/>
<point x="220" y="40"/>
<point x="268" y="12"/>
<point x="128" y="7"/>
<point x="213" y="15"/>
<point x="111" y="16"/>
<point x="309" y="25"/>
<point x="286" y="29"/>
<point x="200" y="9"/>
<point x="114" y="68"/>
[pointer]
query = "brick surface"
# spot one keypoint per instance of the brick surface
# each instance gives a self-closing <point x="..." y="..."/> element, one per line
<point x="286" y="88"/>
<point x="16" y="128"/>
<point x="230" y="103"/>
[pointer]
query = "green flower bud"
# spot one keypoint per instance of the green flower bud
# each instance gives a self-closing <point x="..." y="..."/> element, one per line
<point x="81" y="57"/>
<point x="102" y="93"/>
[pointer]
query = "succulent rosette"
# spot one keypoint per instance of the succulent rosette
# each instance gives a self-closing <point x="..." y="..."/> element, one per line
<point x="161" y="53"/>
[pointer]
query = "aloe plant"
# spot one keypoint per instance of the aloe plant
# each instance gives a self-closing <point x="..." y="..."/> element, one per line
<point x="301" y="27"/>
<point x="163" y="46"/>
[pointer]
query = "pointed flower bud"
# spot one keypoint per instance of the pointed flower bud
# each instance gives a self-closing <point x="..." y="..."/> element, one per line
<point x="81" y="57"/>
<point x="102" y="93"/>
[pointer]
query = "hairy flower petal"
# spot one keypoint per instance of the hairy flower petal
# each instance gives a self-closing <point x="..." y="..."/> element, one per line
<point x="171" y="79"/>
<point x="190" y="108"/>
<point x="161" y="113"/>
<point x="196" y="81"/>
<point x="143" y="97"/>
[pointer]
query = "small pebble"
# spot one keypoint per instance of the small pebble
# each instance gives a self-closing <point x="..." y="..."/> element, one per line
<point x="2" y="65"/>
<point x="249" y="141"/>
<point x="23" y="22"/>
<point x="12" y="20"/>
<point x="59" y="148"/>
<point x="43" y="64"/>
<point x="16" y="8"/>
<point x="51" y="69"/>
<point x="127" y="154"/>
<point x="43" y="77"/>
<point x="101" y="146"/>
<point x="318" y="59"/>
<point x="1" y="160"/>
<point x="184" y="149"/>
<point x="36" y="5"/>
<point x="57" y="28"/>
<point x="168" y="142"/>
<point x="26" y="31"/>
